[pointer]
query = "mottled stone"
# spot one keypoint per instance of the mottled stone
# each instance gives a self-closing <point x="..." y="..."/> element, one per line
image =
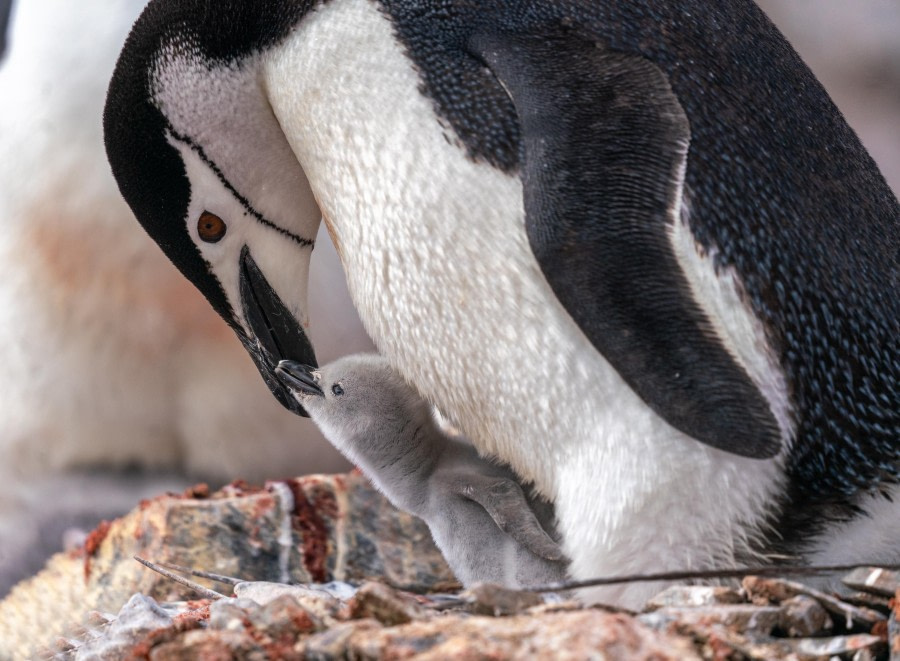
<point x="882" y="582"/>
<point x="263" y="591"/>
<point x="337" y="641"/>
<point x="229" y="614"/>
<point x="379" y="542"/>
<point x="339" y="529"/>
<point x="387" y="606"/>
<point x="137" y="618"/>
<point x="283" y="629"/>
<point x="141" y="625"/>
<point x="212" y="646"/>
<point x="323" y="606"/>
<point x="808" y="649"/>
<point x="312" y="529"/>
<point x="778" y="590"/>
<point x="894" y="628"/>
<point x="572" y="635"/>
<point x="868" y="600"/>
<point x="863" y="655"/>
<point x="757" y="620"/>
<point x="690" y="596"/>
<point x="826" y="648"/>
<point x="284" y="619"/>
<point x="489" y="599"/>
<point x="382" y="622"/>
<point x="803" y="616"/>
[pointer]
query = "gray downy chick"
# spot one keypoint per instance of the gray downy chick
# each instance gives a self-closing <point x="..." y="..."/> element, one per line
<point x="486" y="526"/>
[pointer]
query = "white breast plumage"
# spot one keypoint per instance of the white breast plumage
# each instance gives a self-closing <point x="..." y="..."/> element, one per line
<point x="429" y="234"/>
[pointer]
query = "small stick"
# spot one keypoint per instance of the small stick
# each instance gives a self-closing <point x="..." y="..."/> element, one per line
<point x="206" y="592"/>
<point x="765" y="570"/>
<point x="221" y="578"/>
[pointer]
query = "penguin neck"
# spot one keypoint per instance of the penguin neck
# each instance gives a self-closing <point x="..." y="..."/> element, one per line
<point x="352" y="119"/>
<point x="414" y="212"/>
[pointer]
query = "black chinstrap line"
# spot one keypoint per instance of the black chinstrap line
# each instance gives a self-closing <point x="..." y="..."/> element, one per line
<point x="231" y="189"/>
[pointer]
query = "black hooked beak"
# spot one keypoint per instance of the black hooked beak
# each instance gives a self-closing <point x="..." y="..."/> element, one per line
<point x="276" y="334"/>
<point x="298" y="377"/>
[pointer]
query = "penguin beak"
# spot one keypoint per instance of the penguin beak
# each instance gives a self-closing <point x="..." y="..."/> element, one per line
<point x="298" y="377"/>
<point x="276" y="335"/>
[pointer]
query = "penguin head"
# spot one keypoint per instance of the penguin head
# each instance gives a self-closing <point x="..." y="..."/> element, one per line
<point x="200" y="158"/>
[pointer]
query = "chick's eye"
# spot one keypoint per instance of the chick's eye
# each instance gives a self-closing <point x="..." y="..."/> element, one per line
<point x="210" y="227"/>
<point x="336" y="389"/>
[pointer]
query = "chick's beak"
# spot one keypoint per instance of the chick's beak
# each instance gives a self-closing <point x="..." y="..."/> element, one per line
<point x="298" y="377"/>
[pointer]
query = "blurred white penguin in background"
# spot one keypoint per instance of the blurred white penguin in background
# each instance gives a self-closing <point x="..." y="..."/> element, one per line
<point x="117" y="381"/>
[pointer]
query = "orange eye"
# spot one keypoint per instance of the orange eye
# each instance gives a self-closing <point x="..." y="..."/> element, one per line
<point x="210" y="227"/>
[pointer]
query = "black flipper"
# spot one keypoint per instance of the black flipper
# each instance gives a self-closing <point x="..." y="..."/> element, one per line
<point x="604" y="146"/>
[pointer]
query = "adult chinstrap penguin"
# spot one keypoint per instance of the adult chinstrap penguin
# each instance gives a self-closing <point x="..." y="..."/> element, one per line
<point x="486" y="524"/>
<point x="631" y="248"/>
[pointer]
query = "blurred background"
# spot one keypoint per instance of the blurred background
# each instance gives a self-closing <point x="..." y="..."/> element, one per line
<point x="117" y="381"/>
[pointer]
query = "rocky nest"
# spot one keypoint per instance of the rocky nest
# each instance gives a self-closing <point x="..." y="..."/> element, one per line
<point x="327" y="569"/>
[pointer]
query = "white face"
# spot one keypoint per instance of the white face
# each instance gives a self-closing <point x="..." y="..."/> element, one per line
<point x="242" y="172"/>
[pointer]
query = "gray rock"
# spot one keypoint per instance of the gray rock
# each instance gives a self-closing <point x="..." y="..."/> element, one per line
<point x="747" y="618"/>
<point x="690" y="596"/>
<point x="803" y="616"/>
<point x="894" y="629"/>
<point x="285" y="618"/>
<point x="881" y="582"/>
<point x="863" y="655"/>
<point x="387" y="606"/>
<point x="229" y="614"/>
<point x="137" y="618"/>
<point x="337" y="641"/>
<point x="837" y="646"/>
<point x="809" y="649"/>
<point x="495" y="600"/>
<point x="778" y="590"/>
<point x="311" y="529"/>
<point x="320" y="603"/>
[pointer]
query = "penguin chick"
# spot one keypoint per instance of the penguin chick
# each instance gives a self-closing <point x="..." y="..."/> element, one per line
<point x="487" y="528"/>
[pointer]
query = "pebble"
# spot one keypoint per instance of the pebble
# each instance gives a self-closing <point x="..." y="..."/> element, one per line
<point x="386" y="605"/>
<point x="693" y="596"/>
<point x="777" y="590"/>
<point x="882" y="582"/>
<point x="138" y="617"/>
<point x="749" y="618"/>
<point x="495" y="600"/>
<point x="803" y="616"/>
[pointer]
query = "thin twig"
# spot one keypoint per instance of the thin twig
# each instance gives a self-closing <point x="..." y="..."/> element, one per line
<point x="206" y="592"/>
<point x="221" y="578"/>
<point x="765" y="570"/>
